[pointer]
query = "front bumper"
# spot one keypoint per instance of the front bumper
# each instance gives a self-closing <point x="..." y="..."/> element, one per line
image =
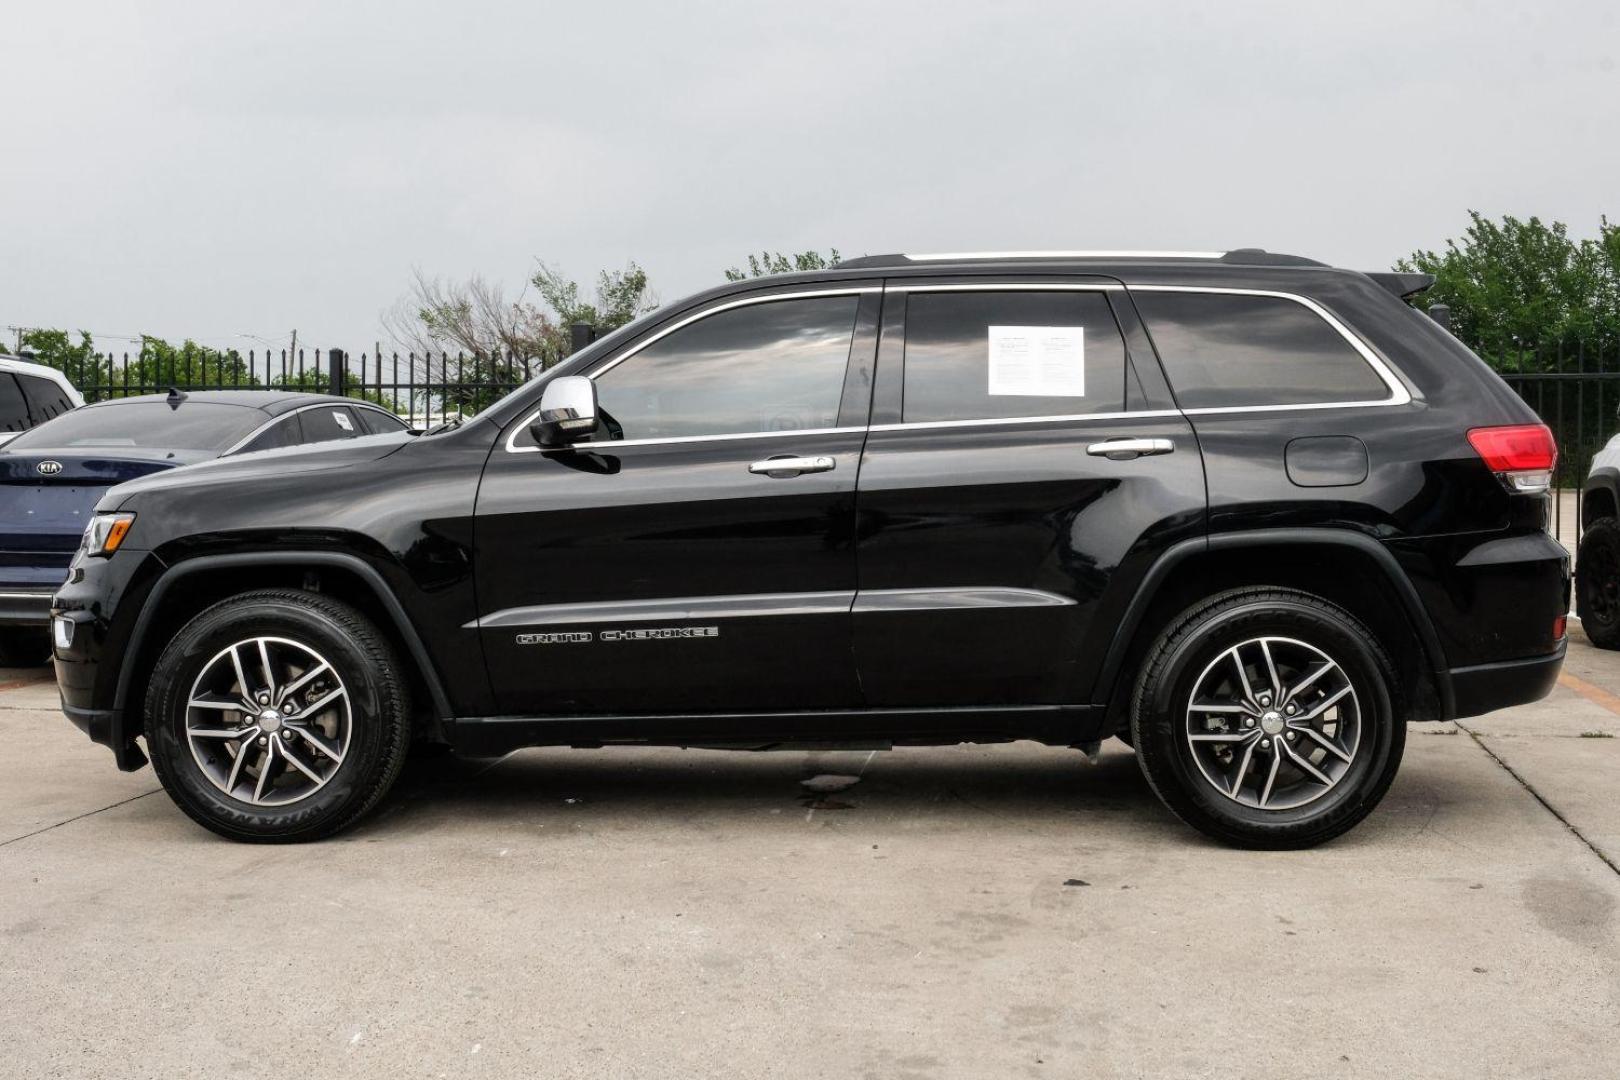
<point x="106" y="726"/>
<point x="25" y="607"/>
<point x="1483" y="688"/>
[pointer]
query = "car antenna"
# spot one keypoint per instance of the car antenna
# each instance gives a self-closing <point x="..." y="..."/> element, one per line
<point x="176" y="396"/>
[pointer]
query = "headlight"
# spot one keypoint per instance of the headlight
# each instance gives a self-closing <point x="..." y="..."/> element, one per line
<point x="106" y="532"/>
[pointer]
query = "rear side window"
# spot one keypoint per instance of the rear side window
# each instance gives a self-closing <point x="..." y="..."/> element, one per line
<point x="329" y="422"/>
<point x="283" y="432"/>
<point x="46" y="400"/>
<point x="1228" y="351"/>
<point x="1007" y="353"/>
<point x="13" y="408"/>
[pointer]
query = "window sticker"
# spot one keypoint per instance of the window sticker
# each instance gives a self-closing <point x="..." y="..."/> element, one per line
<point x="1037" y="361"/>
<point x="343" y="421"/>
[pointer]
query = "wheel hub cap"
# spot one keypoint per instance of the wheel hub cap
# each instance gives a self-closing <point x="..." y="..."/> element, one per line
<point x="1273" y="723"/>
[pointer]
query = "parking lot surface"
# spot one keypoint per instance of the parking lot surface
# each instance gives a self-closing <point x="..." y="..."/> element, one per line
<point x="995" y="911"/>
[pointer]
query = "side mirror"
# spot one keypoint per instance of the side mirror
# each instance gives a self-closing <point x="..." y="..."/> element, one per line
<point x="567" y="411"/>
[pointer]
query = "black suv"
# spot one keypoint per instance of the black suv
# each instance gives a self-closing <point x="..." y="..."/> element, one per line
<point x="1247" y="512"/>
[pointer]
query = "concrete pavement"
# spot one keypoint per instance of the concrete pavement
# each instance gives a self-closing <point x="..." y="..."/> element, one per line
<point x="971" y="912"/>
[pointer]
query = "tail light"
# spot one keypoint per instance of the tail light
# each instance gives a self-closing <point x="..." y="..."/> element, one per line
<point x="1521" y="455"/>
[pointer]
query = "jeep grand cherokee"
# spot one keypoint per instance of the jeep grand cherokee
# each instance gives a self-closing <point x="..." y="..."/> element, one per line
<point x="1245" y="511"/>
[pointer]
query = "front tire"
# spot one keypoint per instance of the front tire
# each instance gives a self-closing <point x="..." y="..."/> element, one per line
<point x="1597" y="583"/>
<point x="1268" y="718"/>
<point x="277" y="716"/>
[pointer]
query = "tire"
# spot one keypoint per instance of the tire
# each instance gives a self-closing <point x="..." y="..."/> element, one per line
<point x="352" y="743"/>
<point x="1194" y="758"/>
<point x="1597" y="583"/>
<point x="25" y="648"/>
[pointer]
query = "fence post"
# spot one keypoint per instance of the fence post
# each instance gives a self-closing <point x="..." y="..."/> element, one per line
<point x="334" y="377"/>
<point x="583" y="334"/>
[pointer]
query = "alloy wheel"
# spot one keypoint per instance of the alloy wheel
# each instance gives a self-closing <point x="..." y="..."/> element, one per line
<point x="1273" y="723"/>
<point x="268" y="721"/>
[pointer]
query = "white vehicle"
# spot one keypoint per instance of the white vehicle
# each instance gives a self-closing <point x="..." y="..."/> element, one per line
<point x="31" y="394"/>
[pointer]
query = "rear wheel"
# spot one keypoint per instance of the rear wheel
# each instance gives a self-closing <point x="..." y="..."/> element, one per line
<point x="1267" y="718"/>
<point x="277" y="716"/>
<point x="1597" y="583"/>
<point x="25" y="648"/>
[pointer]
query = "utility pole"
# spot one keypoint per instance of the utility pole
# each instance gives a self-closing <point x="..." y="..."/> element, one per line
<point x="292" y="357"/>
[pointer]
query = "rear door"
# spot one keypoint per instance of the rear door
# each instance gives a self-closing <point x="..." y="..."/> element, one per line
<point x="1023" y="458"/>
<point x="665" y="566"/>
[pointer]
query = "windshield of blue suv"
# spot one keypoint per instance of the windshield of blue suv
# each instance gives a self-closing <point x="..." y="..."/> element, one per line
<point x="144" y="424"/>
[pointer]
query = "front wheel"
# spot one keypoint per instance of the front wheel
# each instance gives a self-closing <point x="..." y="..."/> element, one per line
<point x="1267" y="718"/>
<point x="277" y="716"/>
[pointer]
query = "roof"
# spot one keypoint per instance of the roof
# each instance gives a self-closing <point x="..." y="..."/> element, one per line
<point x="270" y="402"/>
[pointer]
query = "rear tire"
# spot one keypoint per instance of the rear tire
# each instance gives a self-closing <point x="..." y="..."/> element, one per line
<point x="319" y="729"/>
<point x="1597" y="583"/>
<point x="1268" y="718"/>
<point x="25" y="648"/>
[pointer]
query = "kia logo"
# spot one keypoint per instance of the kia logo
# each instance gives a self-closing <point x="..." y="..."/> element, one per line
<point x="48" y="468"/>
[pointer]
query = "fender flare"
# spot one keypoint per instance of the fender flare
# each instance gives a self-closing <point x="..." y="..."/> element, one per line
<point x="362" y="569"/>
<point x="1173" y="556"/>
<point x="1605" y="478"/>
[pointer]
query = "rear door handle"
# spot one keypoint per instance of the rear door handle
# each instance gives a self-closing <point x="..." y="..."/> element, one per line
<point x="1126" y="449"/>
<point x="783" y="467"/>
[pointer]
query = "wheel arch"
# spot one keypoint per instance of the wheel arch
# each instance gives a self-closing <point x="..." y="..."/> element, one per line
<point x="213" y="577"/>
<point x="1600" y="497"/>
<point x="1367" y="580"/>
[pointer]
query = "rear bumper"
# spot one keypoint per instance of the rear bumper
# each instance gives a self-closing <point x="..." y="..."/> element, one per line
<point x="25" y="607"/>
<point x="1484" y="688"/>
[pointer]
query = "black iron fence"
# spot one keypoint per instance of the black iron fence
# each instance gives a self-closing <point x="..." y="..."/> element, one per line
<point x="1575" y="390"/>
<point x="424" y="389"/>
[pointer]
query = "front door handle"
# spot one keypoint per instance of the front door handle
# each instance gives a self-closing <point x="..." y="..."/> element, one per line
<point x="783" y="467"/>
<point x="1126" y="449"/>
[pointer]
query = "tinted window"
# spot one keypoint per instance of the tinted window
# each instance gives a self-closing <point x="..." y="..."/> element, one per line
<point x="329" y="422"/>
<point x="190" y="426"/>
<point x="283" y="432"/>
<point x="975" y="356"/>
<point x="776" y="366"/>
<point x="1222" y="351"/>
<point x="13" y="409"/>
<point x="46" y="401"/>
<point x="378" y="422"/>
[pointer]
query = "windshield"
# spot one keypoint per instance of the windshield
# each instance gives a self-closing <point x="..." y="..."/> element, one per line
<point x="147" y="424"/>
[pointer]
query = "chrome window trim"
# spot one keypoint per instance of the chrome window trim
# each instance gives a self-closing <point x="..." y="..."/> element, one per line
<point x="523" y="425"/>
<point x="268" y="424"/>
<point x="1140" y="414"/>
<point x="1398" y="393"/>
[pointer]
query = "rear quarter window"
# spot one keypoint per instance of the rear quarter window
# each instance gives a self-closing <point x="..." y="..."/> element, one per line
<point x="1229" y="351"/>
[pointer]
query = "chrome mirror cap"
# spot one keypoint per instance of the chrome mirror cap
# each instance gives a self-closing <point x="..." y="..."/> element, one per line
<point x="567" y="411"/>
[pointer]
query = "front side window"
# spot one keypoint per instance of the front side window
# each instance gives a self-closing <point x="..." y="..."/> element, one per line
<point x="1011" y="353"/>
<point x="1227" y="351"/>
<point x="772" y="366"/>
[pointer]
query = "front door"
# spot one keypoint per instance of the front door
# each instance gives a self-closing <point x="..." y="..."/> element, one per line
<point x="667" y="566"/>
<point x="1022" y="460"/>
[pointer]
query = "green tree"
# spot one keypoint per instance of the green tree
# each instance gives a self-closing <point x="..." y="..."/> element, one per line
<point x="1526" y="288"/>
<point x="78" y="360"/>
<point x="774" y="262"/>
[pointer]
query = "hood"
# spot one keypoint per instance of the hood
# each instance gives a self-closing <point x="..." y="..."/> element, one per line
<point x="264" y="464"/>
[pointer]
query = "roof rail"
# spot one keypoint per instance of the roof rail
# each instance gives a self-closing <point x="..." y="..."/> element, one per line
<point x="1240" y="256"/>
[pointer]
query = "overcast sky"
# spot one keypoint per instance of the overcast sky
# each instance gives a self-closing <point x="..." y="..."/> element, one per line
<point x="229" y="171"/>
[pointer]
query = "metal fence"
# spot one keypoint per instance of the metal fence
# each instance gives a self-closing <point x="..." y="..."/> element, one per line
<point x="1576" y="392"/>
<point x="424" y="389"/>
